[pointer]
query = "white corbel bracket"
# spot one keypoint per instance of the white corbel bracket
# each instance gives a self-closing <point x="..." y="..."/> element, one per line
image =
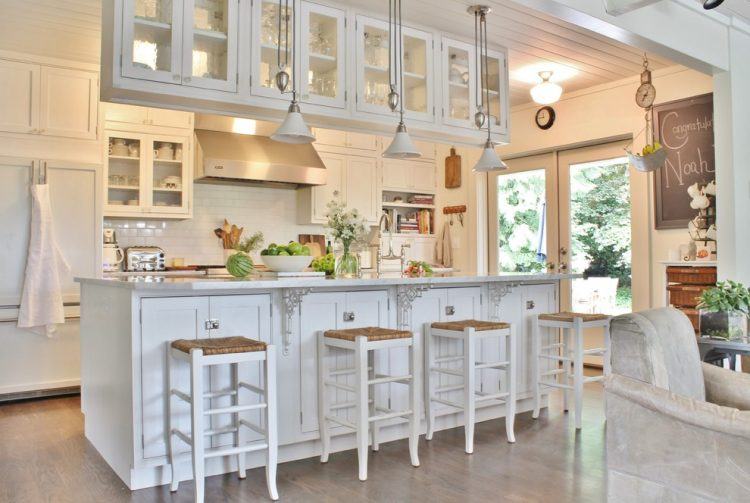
<point x="292" y="298"/>
<point x="405" y="297"/>
<point x="496" y="292"/>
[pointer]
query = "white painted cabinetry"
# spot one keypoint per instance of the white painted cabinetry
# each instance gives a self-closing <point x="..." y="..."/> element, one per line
<point x="116" y="115"/>
<point x="48" y="100"/>
<point x="409" y="176"/>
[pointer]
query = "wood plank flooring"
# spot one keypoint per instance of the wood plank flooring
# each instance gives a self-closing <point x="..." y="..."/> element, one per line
<point x="45" y="457"/>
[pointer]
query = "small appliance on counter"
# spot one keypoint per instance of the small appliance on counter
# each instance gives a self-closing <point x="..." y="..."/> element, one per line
<point x="144" y="258"/>
<point x="112" y="255"/>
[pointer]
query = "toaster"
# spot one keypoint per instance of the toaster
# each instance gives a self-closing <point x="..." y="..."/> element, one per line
<point x="144" y="258"/>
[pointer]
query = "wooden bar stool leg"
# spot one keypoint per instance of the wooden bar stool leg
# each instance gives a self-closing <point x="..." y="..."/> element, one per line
<point x="469" y="388"/>
<point x="578" y="369"/>
<point x="170" y="437"/>
<point x="325" y="434"/>
<point x="429" y="386"/>
<point x="510" y="372"/>
<point x="196" y="414"/>
<point x="414" y="387"/>
<point x="360" y="364"/>
<point x="535" y="365"/>
<point x="238" y="434"/>
<point x="271" y="421"/>
<point x="371" y="375"/>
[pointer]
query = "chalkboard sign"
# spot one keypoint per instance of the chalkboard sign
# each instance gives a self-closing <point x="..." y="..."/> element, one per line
<point x="686" y="129"/>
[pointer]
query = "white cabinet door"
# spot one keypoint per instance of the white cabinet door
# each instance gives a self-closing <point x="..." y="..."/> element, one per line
<point x="323" y="55"/>
<point x="361" y="141"/>
<point x="459" y="83"/>
<point x="418" y="77"/>
<point x="209" y="48"/>
<point x="266" y="14"/>
<point x="362" y="187"/>
<point x="15" y="213"/>
<point x="246" y="316"/>
<point x="164" y="320"/>
<point x="168" y="175"/>
<point x="152" y="40"/>
<point x="128" y="114"/>
<point x="423" y="174"/>
<point x="335" y="187"/>
<point x="397" y="175"/>
<point x="68" y="105"/>
<point x="170" y="118"/>
<point x="497" y="90"/>
<point x="125" y="184"/>
<point x="19" y="100"/>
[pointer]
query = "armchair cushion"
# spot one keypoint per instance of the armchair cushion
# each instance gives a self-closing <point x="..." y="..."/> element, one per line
<point x="658" y="347"/>
<point x="726" y="387"/>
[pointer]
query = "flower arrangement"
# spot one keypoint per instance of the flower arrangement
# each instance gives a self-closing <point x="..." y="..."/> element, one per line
<point x="348" y="227"/>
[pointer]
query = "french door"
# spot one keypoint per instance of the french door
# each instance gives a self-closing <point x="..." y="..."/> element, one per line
<point x="567" y="211"/>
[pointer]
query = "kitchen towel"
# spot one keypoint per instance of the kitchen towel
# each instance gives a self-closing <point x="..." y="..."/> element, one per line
<point x="444" y="247"/>
<point x="42" y="301"/>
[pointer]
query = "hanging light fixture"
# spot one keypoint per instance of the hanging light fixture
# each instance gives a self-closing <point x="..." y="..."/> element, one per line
<point x="489" y="160"/>
<point x="401" y="147"/>
<point x="293" y="129"/>
<point x="546" y="92"/>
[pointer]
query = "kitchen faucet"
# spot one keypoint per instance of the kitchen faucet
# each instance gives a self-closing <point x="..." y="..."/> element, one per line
<point x="390" y="256"/>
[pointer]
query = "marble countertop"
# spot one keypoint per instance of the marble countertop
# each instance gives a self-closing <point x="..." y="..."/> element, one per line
<point x="202" y="282"/>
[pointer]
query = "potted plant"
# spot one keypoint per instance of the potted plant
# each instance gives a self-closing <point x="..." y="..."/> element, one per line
<point x="347" y="228"/>
<point x="724" y="311"/>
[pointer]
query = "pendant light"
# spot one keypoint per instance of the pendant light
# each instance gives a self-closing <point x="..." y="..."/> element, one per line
<point x="489" y="160"/>
<point x="401" y="147"/>
<point x="293" y="129"/>
<point x="546" y="92"/>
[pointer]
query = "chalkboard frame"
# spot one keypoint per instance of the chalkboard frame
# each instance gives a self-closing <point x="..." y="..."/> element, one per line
<point x="659" y="222"/>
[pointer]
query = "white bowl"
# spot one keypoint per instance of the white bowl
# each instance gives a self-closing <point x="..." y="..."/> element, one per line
<point x="286" y="263"/>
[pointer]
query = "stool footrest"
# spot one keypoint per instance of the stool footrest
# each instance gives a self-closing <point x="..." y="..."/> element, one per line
<point x="552" y="346"/>
<point x="491" y="365"/>
<point x="495" y="396"/>
<point x="446" y="359"/>
<point x="593" y="379"/>
<point x="595" y="351"/>
<point x="219" y="431"/>
<point x="556" y="357"/>
<point x="252" y="388"/>
<point x="450" y="403"/>
<point x="553" y="372"/>
<point x="342" y="422"/>
<point x="182" y="436"/>
<point x="447" y="389"/>
<point x="343" y="372"/>
<point x="453" y="372"/>
<point x="229" y="451"/>
<point x="556" y="385"/>
<point x="339" y="385"/>
<point x="182" y="396"/>
<point x="383" y="379"/>
<point x="234" y="409"/>
<point x="220" y="393"/>
<point x="254" y="427"/>
<point x="390" y="415"/>
<point x="346" y="405"/>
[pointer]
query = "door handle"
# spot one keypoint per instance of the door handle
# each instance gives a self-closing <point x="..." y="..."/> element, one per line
<point x="551" y="266"/>
<point x="450" y="310"/>
<point x="348" y="315"/>
<point x="211" y="324"/>
<point x="563" y="251"/>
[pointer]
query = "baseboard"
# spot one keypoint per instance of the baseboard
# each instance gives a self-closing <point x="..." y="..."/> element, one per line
<point x="40" y="390"/>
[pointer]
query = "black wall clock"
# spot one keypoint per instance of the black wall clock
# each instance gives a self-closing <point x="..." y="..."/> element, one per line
<point x="545" y="117"/>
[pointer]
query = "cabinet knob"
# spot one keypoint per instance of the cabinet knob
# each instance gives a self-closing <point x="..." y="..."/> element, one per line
<point x="450" y="310"/>
<point x="211" y="324"/>
<point x="348" y="315"/>
<point x="530" y="304"/>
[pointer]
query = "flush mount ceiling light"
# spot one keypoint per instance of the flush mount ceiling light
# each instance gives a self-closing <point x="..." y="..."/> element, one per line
<point x="401" y="147"/>
<point x="712" y="4"/>
<point x="489" y="160"/>
<point x="293" y="129"/>
<point x="546" y="92"/>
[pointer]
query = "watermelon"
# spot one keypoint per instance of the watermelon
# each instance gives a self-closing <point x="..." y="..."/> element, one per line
<point x="240" y="265"/>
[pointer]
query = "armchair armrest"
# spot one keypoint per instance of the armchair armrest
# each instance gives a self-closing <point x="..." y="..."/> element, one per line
<point x="681" y="408"/>
<point x="726" y="387"/>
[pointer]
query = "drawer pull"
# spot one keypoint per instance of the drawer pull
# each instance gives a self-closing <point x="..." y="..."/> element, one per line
<point x="450" y="310"/>
<point x="348" y="315"/>
<point x="530" y="304"/>
<point x="212" y="324"/>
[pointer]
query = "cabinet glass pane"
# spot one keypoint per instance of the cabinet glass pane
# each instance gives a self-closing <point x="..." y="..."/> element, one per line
<point x="152" y="34"/>
<point x="210" y="39"/>
<point x="123" y="172"/>
<point x="415" y="74"/>
<point x="376" y="86"/>
<point x="458" y="84"/>
<point x="269" y="40"/>
<point x="167" y="174"/>
<point x="324" y="59"/>
<point x="493" y="85"/>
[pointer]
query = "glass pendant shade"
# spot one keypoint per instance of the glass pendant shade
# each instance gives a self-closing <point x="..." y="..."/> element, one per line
<point x="546" y="92"/>
<point x="401" y="147"/>
<point x="489" y="160"/>
<point x="293" y="129"/>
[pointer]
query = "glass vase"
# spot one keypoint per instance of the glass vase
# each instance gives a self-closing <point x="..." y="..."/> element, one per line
<point x="347" y="265"/>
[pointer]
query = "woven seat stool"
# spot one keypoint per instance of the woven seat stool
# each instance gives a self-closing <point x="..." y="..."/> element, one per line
<point x="471" y="333"/>
<point x="362" y="343"/>
<point x="565" y="353"/>
<point x="202" y="353"/>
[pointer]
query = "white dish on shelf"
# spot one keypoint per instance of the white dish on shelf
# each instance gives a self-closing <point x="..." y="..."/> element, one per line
<point x="286" y="263"/>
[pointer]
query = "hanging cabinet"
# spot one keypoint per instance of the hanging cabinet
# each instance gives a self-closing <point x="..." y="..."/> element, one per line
<point x="323" y="53"/>
<point x="265" y="47"/>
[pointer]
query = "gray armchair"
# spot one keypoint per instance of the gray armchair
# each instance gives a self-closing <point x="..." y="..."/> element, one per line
<point x="677" y="429"/>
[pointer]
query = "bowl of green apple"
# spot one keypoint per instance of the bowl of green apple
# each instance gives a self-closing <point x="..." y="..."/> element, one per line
<point x="292" y="257"/>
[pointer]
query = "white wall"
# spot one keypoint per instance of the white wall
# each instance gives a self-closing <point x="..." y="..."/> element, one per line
<point x="605" y="112"/>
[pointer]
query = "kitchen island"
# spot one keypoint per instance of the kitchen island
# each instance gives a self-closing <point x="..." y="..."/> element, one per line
<point x="126" y="323"/>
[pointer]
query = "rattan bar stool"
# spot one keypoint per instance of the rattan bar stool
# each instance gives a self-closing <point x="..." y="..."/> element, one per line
<point x="470" y="332"/>
<point x="565" y="354"/>
<point x="363" y="342"/>
<point x="201" y="353"/>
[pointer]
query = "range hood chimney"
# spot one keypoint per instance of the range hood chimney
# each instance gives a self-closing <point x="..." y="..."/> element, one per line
<point x="231" y="158"/>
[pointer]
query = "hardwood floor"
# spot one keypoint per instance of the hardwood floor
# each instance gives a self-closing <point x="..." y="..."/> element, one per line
<point x="45" y="457"/>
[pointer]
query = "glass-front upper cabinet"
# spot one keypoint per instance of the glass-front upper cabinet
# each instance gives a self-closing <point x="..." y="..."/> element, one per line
<point x="459" y="83"/>
<point x="267" y="17"/>
<point x="152" y="36"/>
<point x="497" y="89"/>
<point x="210" y="47"/>
<point x="169" y="181"/>
<point x="323" y="53"/>
<point x="372" y="69"/>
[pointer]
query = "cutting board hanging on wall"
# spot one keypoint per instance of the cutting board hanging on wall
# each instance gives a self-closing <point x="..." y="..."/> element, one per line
<point x="453" y="170"/>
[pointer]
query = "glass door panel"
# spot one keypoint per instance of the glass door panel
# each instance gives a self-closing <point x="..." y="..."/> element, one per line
<point x="495" y="87"/>
<point x="323" y="55"/>
<point x="124" y="182"/>
<point x="458" y="83"/>
<point x="267" y="62"/>
<point x="151" y="38"/>
<point x="168" y="175"/>
<point x="372" y="66"/>
<point x="210" y="56"/>
<point x="417" y="54"/>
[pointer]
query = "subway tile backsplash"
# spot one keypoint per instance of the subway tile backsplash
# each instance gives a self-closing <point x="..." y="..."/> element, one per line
<point x="271" y="211"/>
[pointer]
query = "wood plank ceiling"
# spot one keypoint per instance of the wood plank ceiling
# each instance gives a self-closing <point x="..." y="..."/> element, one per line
<point x="534" y="39"/>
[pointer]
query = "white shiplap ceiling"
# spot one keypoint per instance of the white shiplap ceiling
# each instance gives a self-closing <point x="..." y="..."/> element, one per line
<point x="71" y="29"/>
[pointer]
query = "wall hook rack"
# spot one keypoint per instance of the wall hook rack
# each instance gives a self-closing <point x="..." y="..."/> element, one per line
<point x="455" y="210"/>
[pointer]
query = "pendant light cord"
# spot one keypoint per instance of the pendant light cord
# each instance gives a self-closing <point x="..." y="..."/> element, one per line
<point x="395" y="47"/>
<point x="486" y="79"/>
<point x="477" y="59"/>
<point x="400" y="62"/>
<point x="284" y="12"/>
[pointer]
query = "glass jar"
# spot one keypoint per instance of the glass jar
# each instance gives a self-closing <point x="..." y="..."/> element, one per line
<point x="347" y="264"/>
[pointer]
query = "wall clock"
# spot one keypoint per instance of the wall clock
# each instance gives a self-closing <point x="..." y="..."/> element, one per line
<point x="545" y="117"/>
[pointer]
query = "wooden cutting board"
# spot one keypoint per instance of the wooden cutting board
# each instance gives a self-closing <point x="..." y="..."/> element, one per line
<point x="453" y="170"/>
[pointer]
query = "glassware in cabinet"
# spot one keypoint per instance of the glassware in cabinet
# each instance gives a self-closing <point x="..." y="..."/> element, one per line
<point x="459" y="83"/>
<point x="210" y="55"/>
<point x="269" y="18"/>
<point x="323" y="55"/>
<point x="168" y="175"/>
<point x="151" y="39"/>
<point x="123" y="181"/>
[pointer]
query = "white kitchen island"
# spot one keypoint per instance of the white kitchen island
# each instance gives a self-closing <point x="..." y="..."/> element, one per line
<point x="126" y="323"/>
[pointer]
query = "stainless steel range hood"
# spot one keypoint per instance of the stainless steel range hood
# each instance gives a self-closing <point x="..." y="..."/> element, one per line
<point x="231" y="158"/>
